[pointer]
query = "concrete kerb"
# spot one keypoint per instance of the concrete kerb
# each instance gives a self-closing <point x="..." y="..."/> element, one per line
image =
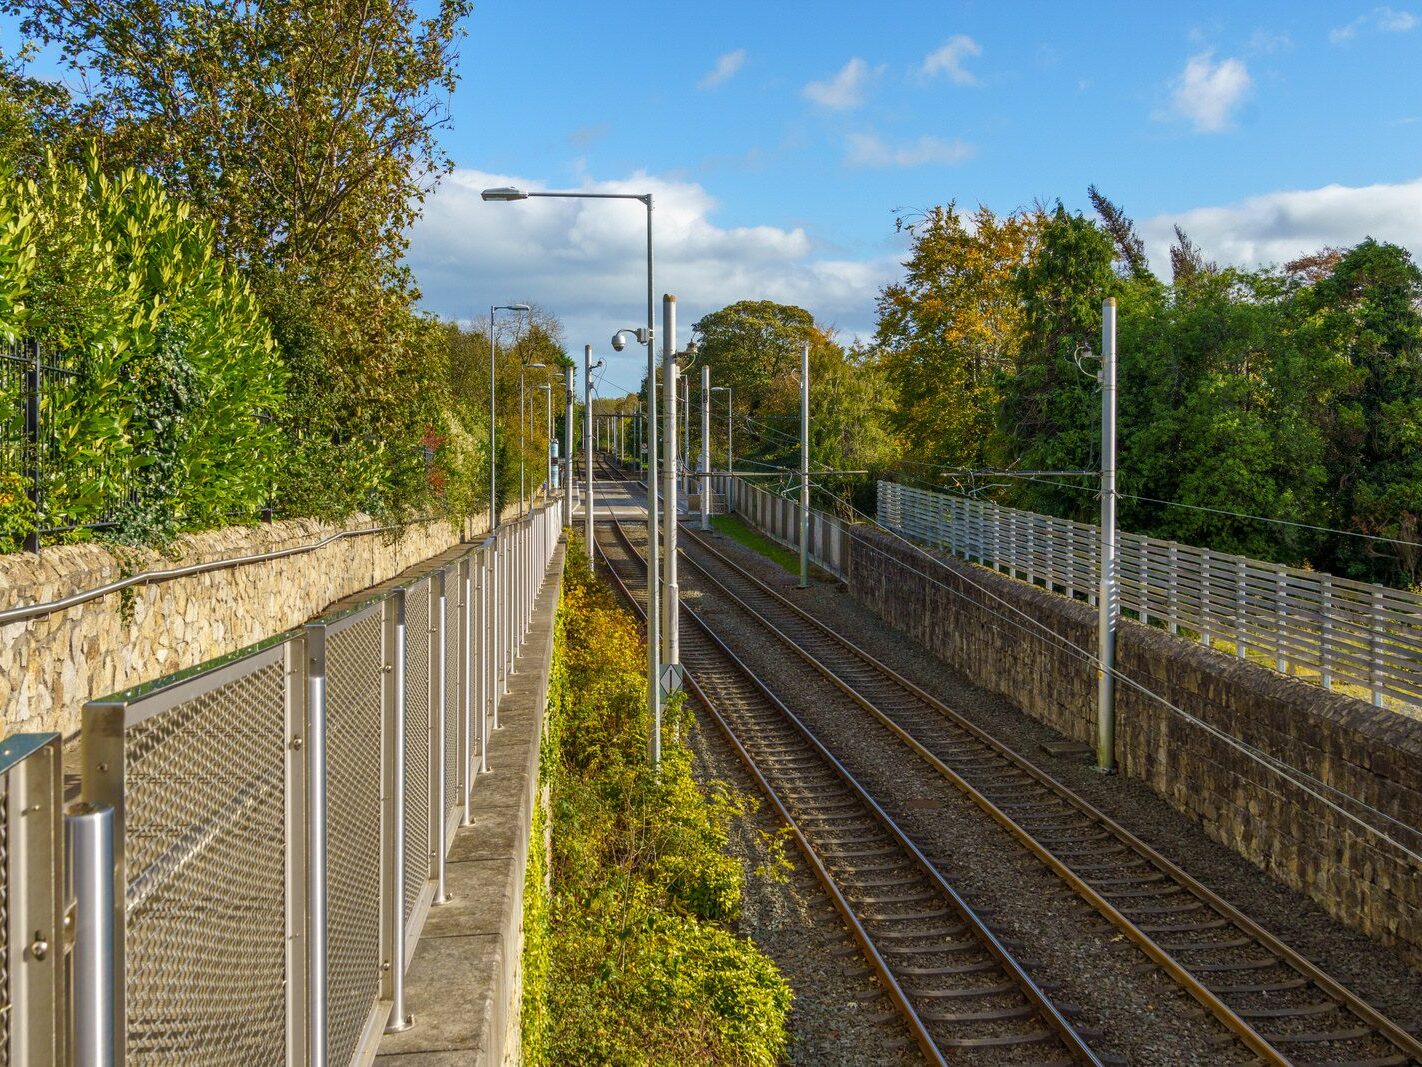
<point x="464" y="983"/>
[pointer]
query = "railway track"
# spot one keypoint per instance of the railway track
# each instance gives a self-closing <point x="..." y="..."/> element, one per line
<point x="1281" y="1005"/>
<point x="962" y="991"/>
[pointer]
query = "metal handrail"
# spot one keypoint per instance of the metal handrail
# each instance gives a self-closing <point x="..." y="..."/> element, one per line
<point x="33" y="611"/>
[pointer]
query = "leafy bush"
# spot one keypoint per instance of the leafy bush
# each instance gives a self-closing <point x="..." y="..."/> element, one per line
<point x="162" y="426"/>
<point x="627" y="958"/>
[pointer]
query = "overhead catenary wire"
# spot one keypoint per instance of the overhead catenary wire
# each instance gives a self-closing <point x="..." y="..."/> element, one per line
<point x="1300" y="779"/>
<point x="1167" y="503"/>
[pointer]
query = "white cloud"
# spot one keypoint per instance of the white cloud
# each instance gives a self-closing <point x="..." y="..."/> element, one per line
<point x="1207" y="93"/>
<point x="585" y="261"/>
<point x="1267" y="42"/>
<point x="845" y="90"/>
<point x="1382" y="19"/>
<point x="725" y="69"/>
<point x="868" y="150"/>
<point x="948" y="59"/>
<point x="1278" y="227"/>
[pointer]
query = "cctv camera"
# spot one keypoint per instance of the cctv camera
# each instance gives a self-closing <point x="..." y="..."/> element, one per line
<point x="619" y="342"/>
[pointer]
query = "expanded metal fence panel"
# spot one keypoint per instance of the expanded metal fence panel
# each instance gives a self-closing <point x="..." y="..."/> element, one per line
<point x="32" y="901"/>
<point x="453" y="635"/>
<point x="353" y="814"/>
<point x="1336" y="629"/>
<point x="6" y="1005"/>
<point x="206" y="875"/>
<point x="417" y="742"/>
<point x="216" y="780"/>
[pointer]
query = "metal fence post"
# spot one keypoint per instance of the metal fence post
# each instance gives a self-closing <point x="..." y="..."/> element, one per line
<point x="1241" y="607"/>
<point x="439" y="632"/>
<point x="1325" y="642"/>
<point x="31" y="782"/>
<point x="1281" y="621"/>
<point x="467" y="701"/>
<point x="485" y="629"/>
<point x="98" y="1033"/>
<point x="393" y="693"/>
<point x="316" y="903"/>
<point x="1205" y="599"/>
<point x="1374" y="640"/>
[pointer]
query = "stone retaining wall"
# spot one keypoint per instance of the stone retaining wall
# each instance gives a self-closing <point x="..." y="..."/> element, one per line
<point x="1369" y="753"/>
<point x="51" y="665"/>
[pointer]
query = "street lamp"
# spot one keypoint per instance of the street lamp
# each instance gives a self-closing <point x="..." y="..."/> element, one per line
<point x="522" y="506"/>
<point x="654" y="694"/>
<point x="493" y="383"/>
<point x="730" y="465"/>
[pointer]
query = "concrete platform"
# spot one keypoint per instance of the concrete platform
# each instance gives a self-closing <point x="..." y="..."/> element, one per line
<point x="464" y="984"/>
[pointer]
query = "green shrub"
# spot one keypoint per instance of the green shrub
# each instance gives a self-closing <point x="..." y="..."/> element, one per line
<point x="175" y="370"/>
<point x="627" y="958"/>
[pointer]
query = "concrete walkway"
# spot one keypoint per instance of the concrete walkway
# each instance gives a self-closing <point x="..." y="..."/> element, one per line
<point x="464" y="984"/>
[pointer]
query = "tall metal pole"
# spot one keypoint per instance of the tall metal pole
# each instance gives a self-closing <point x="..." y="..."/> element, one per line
<point x="568" y="447"/>
<point x="730" y="459"/>
<point x="654" y="594"/>
<point x="705" y="486"/>
<point x="805" y="466"/>
<point x="671" y="653"/>
<point x="1108" y="595"/>
<point x="686" y="434"/>
<point x="493" y="426"/>
<point x="588" y="451"/>
<point x="522" y="508"/>
<point x="548" y="446"/>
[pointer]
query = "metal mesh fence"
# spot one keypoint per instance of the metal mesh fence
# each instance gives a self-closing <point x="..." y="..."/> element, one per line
<point x="1307" y="623"/>
<point x="417" y="743"/>
<point x="453" y="632"/>
<point x="353" y="748"/>
<point x="206" y="934"/>
<point x="5" y="1001"/>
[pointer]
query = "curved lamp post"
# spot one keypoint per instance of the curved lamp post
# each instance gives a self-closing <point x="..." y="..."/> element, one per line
<point x="654" y="694"/>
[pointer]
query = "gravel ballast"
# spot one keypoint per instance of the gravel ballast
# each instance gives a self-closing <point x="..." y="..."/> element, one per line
<point x="1376" y="973"/>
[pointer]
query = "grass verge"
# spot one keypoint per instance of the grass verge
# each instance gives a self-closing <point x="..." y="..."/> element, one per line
<point x="628" y="956"/>
<point x="737" y="530"/>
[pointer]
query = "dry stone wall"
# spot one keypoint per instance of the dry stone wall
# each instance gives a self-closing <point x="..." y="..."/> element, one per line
<point x="49" y="666"/>
<point x="964" y="614"/>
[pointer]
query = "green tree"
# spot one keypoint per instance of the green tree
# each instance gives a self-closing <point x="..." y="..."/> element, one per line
<point x="307" y="131"/>
<point x="1369" y="310"/>
<point x="949" y="330"/>
<point x="1048" y="418"/>
<point x="754" y="347"/>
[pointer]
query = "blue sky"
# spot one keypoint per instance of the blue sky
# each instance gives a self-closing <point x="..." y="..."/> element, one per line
<point x="780" y="139"/>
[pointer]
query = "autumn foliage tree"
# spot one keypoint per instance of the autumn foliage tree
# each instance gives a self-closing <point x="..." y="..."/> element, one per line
<point x="947" y="331"/>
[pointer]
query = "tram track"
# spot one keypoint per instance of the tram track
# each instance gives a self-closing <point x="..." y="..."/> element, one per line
<point x="1278" y="1003"/>
<point x="963" y="992"/>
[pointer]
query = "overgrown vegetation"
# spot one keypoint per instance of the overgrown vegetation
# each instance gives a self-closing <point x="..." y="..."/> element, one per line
<point x="628" y="957"/>
<point x="743" y="533"/>
<point x="208" y="237"/>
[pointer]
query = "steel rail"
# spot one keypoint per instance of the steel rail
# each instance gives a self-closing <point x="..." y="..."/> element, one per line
<point x="1074" y="1042"/>
<point x="1391" y="1031"/>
